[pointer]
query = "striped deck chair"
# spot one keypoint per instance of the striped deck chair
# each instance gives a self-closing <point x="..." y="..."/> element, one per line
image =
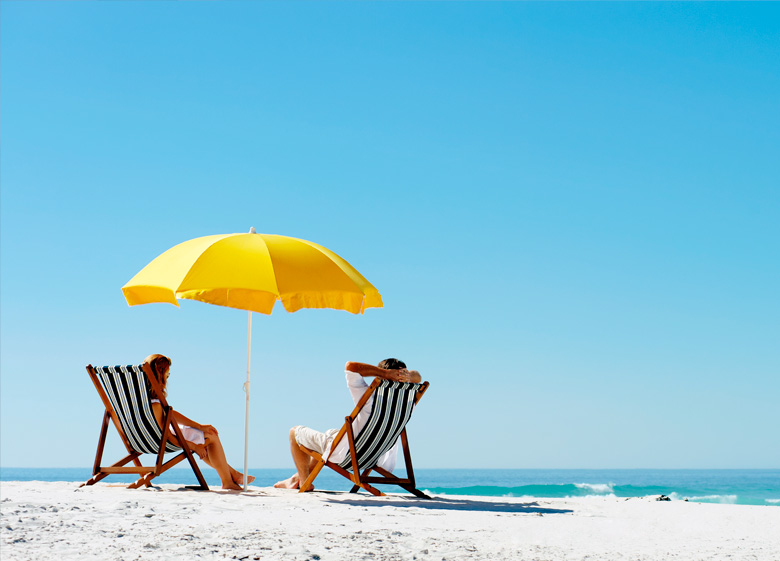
<point x="124" y="391"/>
<point x="391" y="411"/>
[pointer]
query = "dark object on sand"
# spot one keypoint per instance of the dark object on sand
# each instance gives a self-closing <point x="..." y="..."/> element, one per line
<point x="663" y="498"/>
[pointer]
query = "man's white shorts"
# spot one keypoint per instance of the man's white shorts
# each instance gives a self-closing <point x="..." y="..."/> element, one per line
<point x="314" y="439"/>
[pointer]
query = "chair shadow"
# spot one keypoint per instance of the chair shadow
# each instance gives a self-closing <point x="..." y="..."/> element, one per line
<point x="441" y="503"/>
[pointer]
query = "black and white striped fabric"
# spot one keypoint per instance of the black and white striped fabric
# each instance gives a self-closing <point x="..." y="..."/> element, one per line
<point x="391" y="410"/>
<point x="128" y="394"/>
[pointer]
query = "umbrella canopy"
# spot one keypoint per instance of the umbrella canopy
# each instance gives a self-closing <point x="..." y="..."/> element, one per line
<point x="252" y="272"/>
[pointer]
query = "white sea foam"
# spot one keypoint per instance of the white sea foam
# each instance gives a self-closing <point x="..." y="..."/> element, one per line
<point x="598" y="488"/>
<point x="773" y="501"/>
<point x="722" y="499"/>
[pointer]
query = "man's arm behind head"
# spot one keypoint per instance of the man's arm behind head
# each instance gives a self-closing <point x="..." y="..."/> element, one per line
<point x="402" y="375"/>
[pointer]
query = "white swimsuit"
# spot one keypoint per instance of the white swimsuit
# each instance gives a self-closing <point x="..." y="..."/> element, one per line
<point x="190" y="434"/>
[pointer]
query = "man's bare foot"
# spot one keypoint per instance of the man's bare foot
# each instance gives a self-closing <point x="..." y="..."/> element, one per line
<point x="232" y="486"/>
<point x="290" y="483"/>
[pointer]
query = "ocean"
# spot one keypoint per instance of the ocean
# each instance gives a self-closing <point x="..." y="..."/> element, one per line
<point x="728" y="486"/>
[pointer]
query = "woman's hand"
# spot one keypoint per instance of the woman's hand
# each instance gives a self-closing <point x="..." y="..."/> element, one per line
<point x="208" y="429"/>
<point x="199" y="449"/>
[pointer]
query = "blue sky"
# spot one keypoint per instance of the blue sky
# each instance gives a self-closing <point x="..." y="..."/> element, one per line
<point x="571" y="210"/>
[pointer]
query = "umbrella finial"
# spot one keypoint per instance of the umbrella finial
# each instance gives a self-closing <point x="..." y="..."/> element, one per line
<point x="252" y="230"/>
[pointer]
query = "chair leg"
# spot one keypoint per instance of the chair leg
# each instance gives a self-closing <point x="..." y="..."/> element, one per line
<point x="163" y="443"/>
<point x="94" y="479"/>
<point x="145" y="480"/>
<point x="101" y="474"/>
<point x="303" y="487"/>
<point x="412" y="487"/>
<point x="371" y="489"/>
<point x="407" y="457"/>
<point x="97" y="471"/>
<point x="203" y="486"/>
<point x="101" y="444"/>
<point x="365" y="485"/>
<point x="357" y="487"/>
<point x="416" y="492"/>
<point x="138" y="483"/>
<point x="409" y="483"/>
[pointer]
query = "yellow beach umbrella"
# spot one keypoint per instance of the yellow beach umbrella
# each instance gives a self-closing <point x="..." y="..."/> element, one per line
<point x="252" y="272"/>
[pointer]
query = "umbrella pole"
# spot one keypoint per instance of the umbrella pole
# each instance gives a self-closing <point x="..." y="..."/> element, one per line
<point x="246" y="414"/>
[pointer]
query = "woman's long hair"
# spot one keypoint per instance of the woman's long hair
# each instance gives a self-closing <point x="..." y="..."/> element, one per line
<point x="158" y="364"/>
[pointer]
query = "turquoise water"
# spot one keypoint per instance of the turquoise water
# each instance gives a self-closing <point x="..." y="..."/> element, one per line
<point x="754" y="487"/>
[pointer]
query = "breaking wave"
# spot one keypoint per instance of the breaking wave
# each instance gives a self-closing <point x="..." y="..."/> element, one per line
<point x="596" y="488"/>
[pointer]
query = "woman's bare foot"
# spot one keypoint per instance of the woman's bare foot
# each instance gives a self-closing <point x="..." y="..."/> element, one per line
<point x="238" y="477"/>
<point x="233" y="486"/>
<point x="290" y="483"/>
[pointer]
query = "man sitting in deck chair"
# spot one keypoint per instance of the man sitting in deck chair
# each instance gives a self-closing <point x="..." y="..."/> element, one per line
<point x="389" y="369"/>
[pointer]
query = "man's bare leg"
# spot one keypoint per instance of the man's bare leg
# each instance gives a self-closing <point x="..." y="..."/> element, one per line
<point x="303" y="464"/>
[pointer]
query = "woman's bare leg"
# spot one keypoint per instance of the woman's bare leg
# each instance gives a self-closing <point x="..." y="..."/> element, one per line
<point x="215" y="457"/>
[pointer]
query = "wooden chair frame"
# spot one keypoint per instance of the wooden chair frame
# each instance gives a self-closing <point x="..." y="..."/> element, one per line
<point x="170" y="433"/>
<point x="364" y="480"/>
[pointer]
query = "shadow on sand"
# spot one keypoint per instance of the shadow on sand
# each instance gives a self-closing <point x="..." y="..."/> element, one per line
<point x="436" y="503"/>
<point x="441" y="503"/>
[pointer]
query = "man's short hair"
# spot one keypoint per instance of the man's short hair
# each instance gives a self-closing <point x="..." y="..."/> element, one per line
<point x="392" y="364"/>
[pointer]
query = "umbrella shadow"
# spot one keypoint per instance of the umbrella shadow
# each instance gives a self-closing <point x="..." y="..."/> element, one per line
<point x="441" y="503"/>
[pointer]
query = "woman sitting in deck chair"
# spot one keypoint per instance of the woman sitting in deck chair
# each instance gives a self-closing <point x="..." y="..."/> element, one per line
<point x="203" y="439"/>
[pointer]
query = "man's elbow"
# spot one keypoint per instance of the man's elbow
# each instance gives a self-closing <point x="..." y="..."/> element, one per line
<point x="351" y="366"/>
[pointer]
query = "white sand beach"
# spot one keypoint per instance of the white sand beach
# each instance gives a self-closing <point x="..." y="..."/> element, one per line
<point x="56" y="521"/>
